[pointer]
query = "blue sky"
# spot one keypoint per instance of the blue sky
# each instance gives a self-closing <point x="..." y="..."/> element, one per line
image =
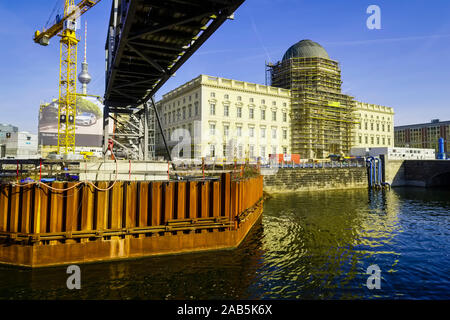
<point x="405" y="65"/>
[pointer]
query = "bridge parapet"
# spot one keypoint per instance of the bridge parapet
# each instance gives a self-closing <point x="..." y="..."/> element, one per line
<point x="419" y="173"/>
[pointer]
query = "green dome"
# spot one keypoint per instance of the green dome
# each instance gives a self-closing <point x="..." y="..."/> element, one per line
<point x="306" y="49"/>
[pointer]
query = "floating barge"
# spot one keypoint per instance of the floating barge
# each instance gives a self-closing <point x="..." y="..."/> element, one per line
<point x="71" y="222"/>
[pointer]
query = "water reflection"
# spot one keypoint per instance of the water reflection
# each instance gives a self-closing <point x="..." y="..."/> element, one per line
<point x="308" y="246"/>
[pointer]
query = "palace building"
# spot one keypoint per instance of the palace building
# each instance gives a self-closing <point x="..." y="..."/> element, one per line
<point x="227" y="119"/>
<point x="303" y="112"/>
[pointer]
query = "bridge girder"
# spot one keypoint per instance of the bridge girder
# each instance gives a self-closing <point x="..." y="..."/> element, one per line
<point x="147" y="42"/>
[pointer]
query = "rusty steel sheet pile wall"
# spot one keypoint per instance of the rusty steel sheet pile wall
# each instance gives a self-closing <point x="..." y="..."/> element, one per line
<point x="34" y="216"/>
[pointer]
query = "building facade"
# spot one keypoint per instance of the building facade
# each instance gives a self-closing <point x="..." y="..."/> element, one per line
<point x="423" y="135"/>
<point x="226" y="119"/>
<point x="375" y="127"/>
<point x="17" y="144"/>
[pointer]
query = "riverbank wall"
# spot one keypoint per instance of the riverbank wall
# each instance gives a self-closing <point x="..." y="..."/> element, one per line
<point x="314" y="179"/>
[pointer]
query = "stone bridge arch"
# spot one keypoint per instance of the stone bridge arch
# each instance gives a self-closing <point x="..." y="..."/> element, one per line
<point x="441" y="179"/>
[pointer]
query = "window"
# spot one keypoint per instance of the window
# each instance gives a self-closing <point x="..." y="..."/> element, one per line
<point x="184" y="113"/>
<point x="274" y="116"/>
<point x="263" y="114"/>
<point x="378" y="140"/>
<point x="251" y="100"/>
<point x="226" y="97"/>
<point x="384" y="140"/>
<point x="251" y="132"/>
<point x="284" y="116"/>
<point x="212" y="109"/>
<point x="212" y="129"/>
<point x="263" y="132"/>
<point x="239" y="98"/>
<point x="284" y="150"/>
<point x="252" y="151"/>
<point x="226" y="130"/>
<point x="360" y="139"/>
<point x="389" y="141"/>
<point x="263" y="151"/>
<point x="366" y="139"/>
<point x="240" y="153"/>
<point x="284" y="134"/>
<point x="196" y="108"/>
<point x="371" y="140"/>
<point x="365" y="125"/>
<point x="226" y="111"/>
<point x="184" y="100"/>
<point x="378" y="127"/>
<point x="190" y="98"/>
<point x="212" y="150"/>
<point x="190" y="111"/>
<point x="196" y="95"/>
<point x="263" y="101"/>
<point x="284" y="104"/>
<point x="239" y="112"/>
<point x="371" y="126"/>
<point x="251" y="113"/>
<point x="225" y="149"/>
<point x="239" y="131"/>
<point x="274" y="133"/>
<point x="213" y="95"/>
<point x="178" y="114"/>
<point x="382" y="127"/>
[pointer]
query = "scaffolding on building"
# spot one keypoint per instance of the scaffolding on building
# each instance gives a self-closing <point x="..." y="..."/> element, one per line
<point x="323" y="119"/>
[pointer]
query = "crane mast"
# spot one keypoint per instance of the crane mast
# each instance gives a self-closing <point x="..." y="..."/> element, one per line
<point x="67" y="107"/>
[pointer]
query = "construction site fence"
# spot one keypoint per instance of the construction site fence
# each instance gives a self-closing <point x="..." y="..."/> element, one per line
<point x="36" y="214"/>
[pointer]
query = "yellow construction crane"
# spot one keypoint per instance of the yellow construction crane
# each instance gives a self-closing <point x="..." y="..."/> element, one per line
<point x="66" y="27"/>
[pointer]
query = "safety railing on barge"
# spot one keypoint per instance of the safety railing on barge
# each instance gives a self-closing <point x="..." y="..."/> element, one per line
<point x="65" y="212"/>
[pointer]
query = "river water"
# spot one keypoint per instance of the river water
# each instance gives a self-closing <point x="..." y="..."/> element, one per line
<point x="307" y="246"/>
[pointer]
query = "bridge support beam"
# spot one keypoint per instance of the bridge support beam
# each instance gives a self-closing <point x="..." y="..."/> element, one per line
<point x="130" y="132"/>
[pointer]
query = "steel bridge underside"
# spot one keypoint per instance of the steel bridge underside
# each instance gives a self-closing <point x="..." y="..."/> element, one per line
<point x="148" y="41"/>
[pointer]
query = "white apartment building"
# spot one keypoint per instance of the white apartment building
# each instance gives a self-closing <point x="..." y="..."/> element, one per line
<point x="227" y="119"/>
<point x="375" y="127"/>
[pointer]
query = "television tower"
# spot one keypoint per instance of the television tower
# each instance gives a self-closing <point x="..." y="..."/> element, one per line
<point x="84" y="77"/>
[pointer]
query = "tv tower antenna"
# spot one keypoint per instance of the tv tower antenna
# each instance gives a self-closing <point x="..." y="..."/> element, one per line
<point x="84" y="77"/>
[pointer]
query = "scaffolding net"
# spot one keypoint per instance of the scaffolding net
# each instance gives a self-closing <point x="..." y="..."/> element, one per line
<point x="323" y="119"/>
